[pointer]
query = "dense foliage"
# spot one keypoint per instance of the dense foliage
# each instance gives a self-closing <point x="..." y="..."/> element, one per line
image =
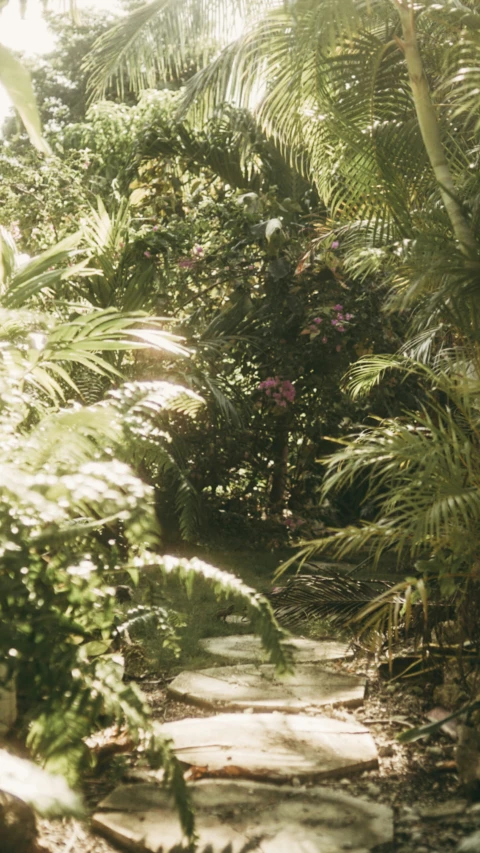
<point x="231" y="229"/>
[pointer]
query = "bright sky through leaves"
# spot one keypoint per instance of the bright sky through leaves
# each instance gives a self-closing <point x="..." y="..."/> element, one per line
<point x="31" y="35"/>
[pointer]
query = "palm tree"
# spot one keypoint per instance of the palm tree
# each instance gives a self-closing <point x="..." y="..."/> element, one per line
<point x="354" y="90"/>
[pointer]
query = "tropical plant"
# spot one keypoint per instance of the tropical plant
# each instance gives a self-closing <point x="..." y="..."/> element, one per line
<point x="73" y="517"/>
<point x="421" y="486"/>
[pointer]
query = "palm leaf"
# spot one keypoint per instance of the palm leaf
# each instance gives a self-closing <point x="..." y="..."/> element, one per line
<point x="163" y="40"/>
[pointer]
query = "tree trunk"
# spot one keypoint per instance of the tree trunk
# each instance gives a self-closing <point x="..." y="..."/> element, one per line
<point x="278" y="487"/>
<point x="429" y="127"/>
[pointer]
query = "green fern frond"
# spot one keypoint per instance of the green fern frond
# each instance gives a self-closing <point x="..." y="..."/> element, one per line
<point x="258" y="608"/>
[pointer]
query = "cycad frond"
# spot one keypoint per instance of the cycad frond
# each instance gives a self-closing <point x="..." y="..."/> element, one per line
<point x="334" y="597"/>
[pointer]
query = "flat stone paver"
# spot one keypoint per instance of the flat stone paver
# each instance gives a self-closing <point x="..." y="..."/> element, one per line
<point x="273" y="747"/>
<point x="248" y="647"/>
<point x="275" y="819"/>
<point x="256" y="686"/>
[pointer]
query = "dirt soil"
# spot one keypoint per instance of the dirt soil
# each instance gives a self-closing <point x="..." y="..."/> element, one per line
<point x="418" y="780"/>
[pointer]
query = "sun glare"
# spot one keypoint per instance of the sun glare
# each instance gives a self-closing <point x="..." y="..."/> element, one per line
<point x="31" y="35"/>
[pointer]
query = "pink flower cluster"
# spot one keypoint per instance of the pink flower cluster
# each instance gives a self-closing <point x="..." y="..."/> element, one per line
<point x="281" y="391"/>
<point x="187" y="263"/>
<point x="315" y="323"/>
<point x="340" y="319"/>
<point x="338" y="322"/>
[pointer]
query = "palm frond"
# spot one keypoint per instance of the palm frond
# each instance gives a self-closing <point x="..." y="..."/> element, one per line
<point x="163" y="40"/>
<point x="41" y="273"/>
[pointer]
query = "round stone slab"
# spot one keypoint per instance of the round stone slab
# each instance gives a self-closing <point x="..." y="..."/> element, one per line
<point x="257" y="687"/>
<point x="248" y="647"/>
<point x="267" y="818"/>
<point x="272" y="747"/>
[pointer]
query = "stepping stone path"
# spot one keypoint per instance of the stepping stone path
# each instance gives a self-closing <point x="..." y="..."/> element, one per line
<point x="252" y="686"/>
<point x="272" y="747"/>
<point x="140" y="817"/>
<point x="245" y="751"/>
<point x="248" y="647"/>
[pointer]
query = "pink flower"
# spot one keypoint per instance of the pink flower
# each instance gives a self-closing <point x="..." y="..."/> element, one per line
<point x="335" y="244"/>
<point x="185" y="263"/>
<point x="317" y="320"/>
<point x="288" y="390"/>
<point x="271" y="382"/>
<point x="147" y="254"/>
<point x="349" y="316"/>
<point x="155" y="228"/>
<point x="198" y="250"/>
<point x="324" y="339"/>
<point x="338" y="307"/>
<point x="334" y="322"/>
<point x="340" y="328"/>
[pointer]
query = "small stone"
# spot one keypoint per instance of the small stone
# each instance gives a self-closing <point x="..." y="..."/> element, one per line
<point x="373" y="790"/>
<point x="408" y="810"/>
<point x="434" y="751"/>
<point x="471" y="844"/>
<point x="386" y="751"/>
<point x="345" y="781"/>
<point x="451" y="808"/>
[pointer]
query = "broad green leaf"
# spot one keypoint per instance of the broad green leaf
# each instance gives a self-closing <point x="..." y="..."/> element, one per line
<point x="16" y="80"/>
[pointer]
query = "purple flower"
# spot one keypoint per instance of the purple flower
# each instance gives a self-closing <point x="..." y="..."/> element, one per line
<point x="338" y="307"/>
<point x="147" y="254"/>
<point x="198" y="250"/>
<point x="317" y="320"/>
<point x="155" y="228"/>
<point x="334" y="322"/>
<point x="340" y="328"/>
<point x="335" y="244"/>
<point x="340" y="316"/>
<point x="349" y="316"/>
